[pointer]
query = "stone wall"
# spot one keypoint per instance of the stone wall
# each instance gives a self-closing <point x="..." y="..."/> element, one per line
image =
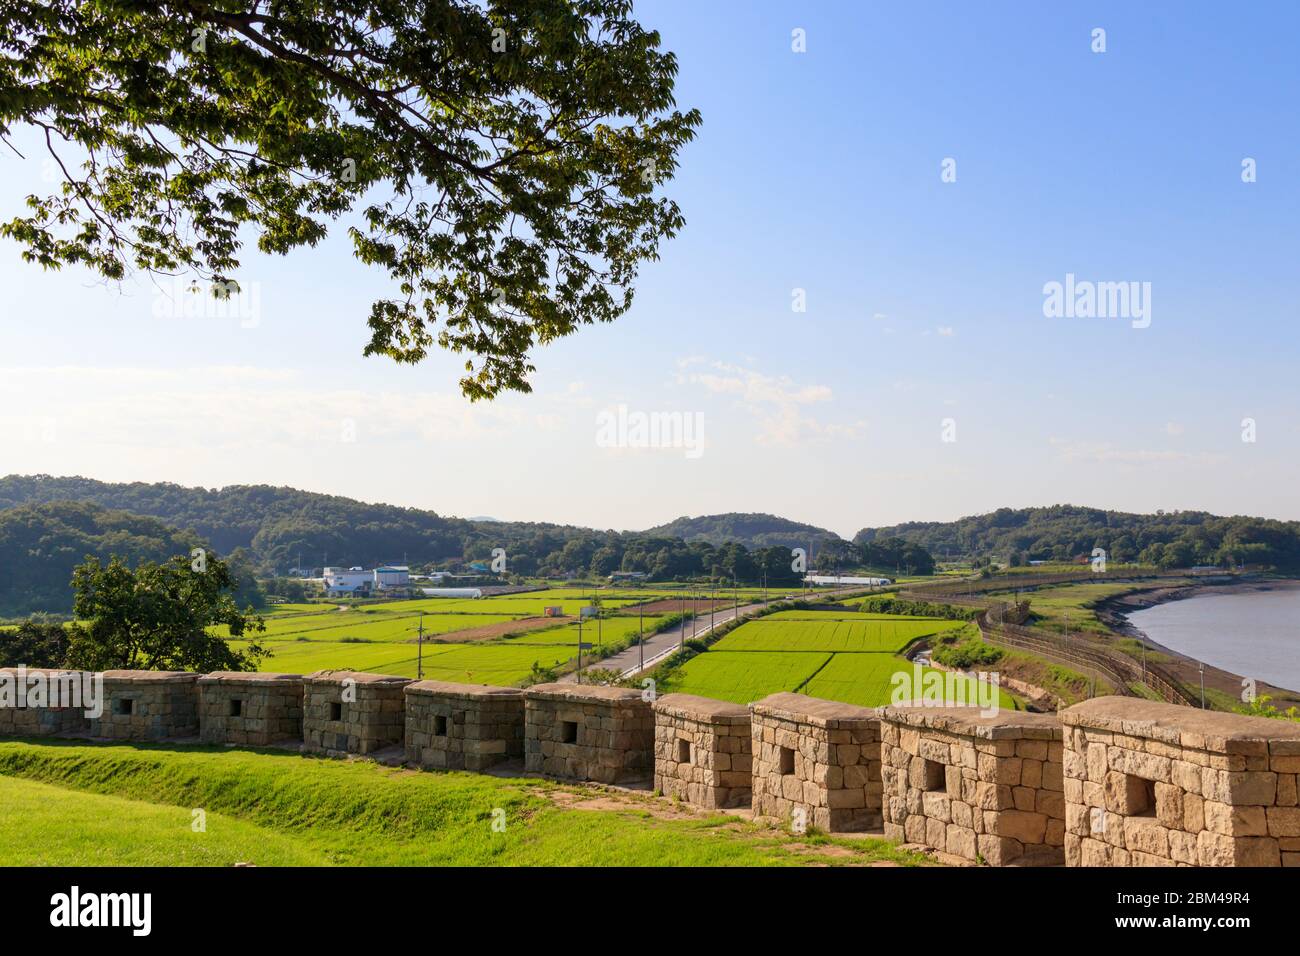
<point x="1153" y="784"/>
<point x="703" y="751"/>
<point x="819" y="757"/>
<point x="582" y="732"/>
<point x="255" y="710"/>
<point x="148" y="705"/>
<point x="986" y="789"/>
<point x="463" y="726"/>
<point x="22" y="716"/>
<point x="351" y="712"/>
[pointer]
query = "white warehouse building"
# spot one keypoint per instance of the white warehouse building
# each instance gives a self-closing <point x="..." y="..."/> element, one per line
<point x="392" y="576"/>
<point x="348" y="582"/>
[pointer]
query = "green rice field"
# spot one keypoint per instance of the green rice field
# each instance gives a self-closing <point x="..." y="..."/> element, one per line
<point x="831" y="631"/>
<point x="829" y="654"/>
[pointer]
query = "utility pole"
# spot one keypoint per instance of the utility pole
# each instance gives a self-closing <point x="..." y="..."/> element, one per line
<point x="419" y="667"/>
<point x="640" y="644"/>
<point x="681" y="643"/>
<point x="1202" y="669"/>
<point x="579" y="672"/>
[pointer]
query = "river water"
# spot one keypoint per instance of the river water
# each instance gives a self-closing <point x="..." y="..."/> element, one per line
<point x="1255" y="633"/>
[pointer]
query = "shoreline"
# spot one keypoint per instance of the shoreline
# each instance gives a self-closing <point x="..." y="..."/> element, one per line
<point x="1114" y="611"/>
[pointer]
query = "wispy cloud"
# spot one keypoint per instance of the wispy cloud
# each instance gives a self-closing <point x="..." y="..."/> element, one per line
<point x="777" y="403"/>
<point x="1070" y="450"/>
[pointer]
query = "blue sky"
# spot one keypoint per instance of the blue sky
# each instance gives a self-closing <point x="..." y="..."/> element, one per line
<point x="817" y="171"/>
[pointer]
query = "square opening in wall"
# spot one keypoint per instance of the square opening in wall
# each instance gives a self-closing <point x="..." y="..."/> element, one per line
<point x="1139" y="796"/>
<point x="236" y="707"/>
<point x="336" y="710"/>
<point x="440" y="725"/>
<point x="785" y="763"/>
<point x="568" y="731"/>
<point x="124" y="706"/>
<point x="683" y="750"/>
<point x="934" y="776"/>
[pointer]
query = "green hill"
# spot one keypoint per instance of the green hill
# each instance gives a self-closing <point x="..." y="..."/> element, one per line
<point x="751" y="530"/>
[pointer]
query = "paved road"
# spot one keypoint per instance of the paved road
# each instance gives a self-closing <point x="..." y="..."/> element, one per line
<point x="659" y="646"/>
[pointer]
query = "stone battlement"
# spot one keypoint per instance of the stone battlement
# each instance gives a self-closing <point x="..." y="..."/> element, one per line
<point x="463" y="726"/>
<point x="1149" y="784"/>
<point x="585" y="732"/>
<point x="703" y="751"/>
<point x="816" y="762"/>
<point x="982" y="787"/>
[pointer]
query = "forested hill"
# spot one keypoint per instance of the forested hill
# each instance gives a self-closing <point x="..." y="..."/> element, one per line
<point x="41" y="544"/>
<point x="277" y="524"/>
<point x="751" y="530"/>
<point x="1063" y="532"/>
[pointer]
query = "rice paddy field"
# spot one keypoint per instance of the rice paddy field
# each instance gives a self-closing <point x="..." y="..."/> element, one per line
<point x="381" y="637"/>
<point x="841" y="656"/>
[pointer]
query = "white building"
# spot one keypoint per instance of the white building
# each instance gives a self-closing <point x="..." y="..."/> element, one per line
<point x="453" y="592"/>
<point x="392" y="576"/>
<point x="348" y="582"/>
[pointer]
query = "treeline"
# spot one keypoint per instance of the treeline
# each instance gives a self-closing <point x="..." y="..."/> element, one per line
<point x="1175" y="539"/>
<point x="40" y="545"/>
<point x="276" y="529"/>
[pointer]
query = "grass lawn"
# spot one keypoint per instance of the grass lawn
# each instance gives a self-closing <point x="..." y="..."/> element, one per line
<point x="44" y="825"/>
<point x="96" y="804"/>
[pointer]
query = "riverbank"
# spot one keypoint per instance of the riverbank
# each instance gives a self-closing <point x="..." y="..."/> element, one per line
<point x="1115" y="613"/>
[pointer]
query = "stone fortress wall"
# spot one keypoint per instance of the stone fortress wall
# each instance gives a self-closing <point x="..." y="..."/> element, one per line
<point x="1114" y="781"/>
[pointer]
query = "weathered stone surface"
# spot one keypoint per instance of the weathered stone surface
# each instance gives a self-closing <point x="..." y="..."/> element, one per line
<point x="148" y="705"/>
<point x="1002" y="813"/>
<point x="585" y="732"/>
<point x="57" y="709"/>
<point x="353" y="712"/>
<point x="1180" y="786"/>
<point x="703" y="751"/>
<point x="463" y="726"/>
<point x="818" y="762"/>
<point x="251" y="709"/>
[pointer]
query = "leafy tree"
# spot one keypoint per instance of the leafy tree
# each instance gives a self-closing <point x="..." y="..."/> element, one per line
<point x="36" y="644"/>
<point x="497" y="159"/>
<point x="158" y="617"/>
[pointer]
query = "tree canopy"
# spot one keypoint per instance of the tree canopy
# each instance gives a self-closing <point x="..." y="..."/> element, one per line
<point x="499" y="160"/>
<point x="159" y="617"/>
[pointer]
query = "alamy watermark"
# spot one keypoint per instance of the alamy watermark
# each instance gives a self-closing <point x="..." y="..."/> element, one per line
<point x="621" y="428"/>
<point x="227" y="301"/>
<point x="1085" y="299"/>
<point x="929" y="687"/>
<point x="21" y="688"/>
